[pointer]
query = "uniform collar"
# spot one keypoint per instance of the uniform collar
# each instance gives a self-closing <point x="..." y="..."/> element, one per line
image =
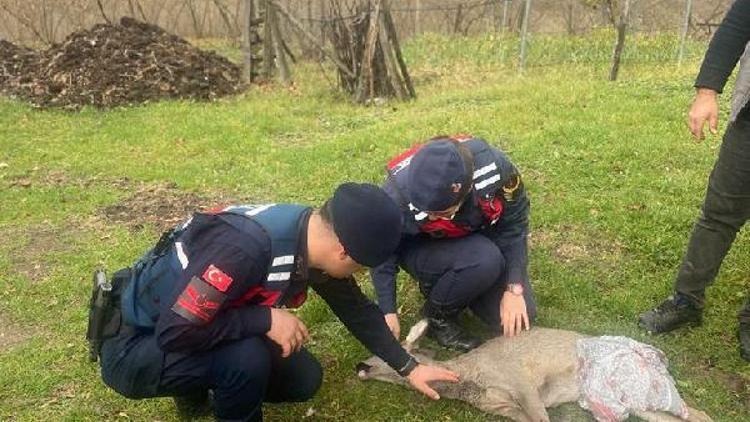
<point x="301" y="268"/>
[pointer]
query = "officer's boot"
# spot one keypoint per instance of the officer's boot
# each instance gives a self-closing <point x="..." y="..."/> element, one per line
<point x="193" y="405"/>
<point x="677" y="311"/>
<point x="445" y="329"/>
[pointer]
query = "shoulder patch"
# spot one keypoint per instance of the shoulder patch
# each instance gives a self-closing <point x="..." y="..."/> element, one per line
<point x="217" y="278"/>
<point x="199" y="302"/>
<point x="511" y="187"/>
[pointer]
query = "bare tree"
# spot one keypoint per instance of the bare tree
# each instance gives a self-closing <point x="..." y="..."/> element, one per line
<point x="620" y="20"/>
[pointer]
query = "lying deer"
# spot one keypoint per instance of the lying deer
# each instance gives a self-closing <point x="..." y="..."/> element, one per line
<point x="513" y="377"/>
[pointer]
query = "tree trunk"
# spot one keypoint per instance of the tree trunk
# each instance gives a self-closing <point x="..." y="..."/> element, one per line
<point x="278" y="46"/>
<point x="267" y="41"/>
<point x="524" y="31"/>
<point x="248" y="64"/>
<point x="622" y="27"/>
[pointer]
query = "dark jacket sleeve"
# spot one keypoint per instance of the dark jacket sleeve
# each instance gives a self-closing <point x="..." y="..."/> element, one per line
<point x="361" y="317"/>
<point x="726" y="47"/>
<point x="384" y="275"/>
<point x="510" y="232"/>
<point x="384" y="280"/>
<point x="179" y="327"/>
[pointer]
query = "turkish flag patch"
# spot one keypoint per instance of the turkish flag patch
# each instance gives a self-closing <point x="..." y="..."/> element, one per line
<point x="198" y="303"/>
<point x="217" y="278"/>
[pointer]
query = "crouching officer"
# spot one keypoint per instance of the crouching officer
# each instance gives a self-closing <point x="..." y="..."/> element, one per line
<point x="203" y="310"/>
<point x="464" y="238"/>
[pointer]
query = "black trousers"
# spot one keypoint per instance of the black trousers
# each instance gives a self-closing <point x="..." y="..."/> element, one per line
<point x="465" y="272"/>
<point x="726" y="208"/>
<point x="242" y="374"/>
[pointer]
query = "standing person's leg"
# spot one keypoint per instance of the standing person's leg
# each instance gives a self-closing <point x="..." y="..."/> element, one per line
<point x="726" y="208"/>
<point x="451" y="274"/>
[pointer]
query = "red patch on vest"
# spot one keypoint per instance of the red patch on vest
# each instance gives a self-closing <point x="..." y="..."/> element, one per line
<point x="397" y="162"/>
<point x="492" y="209"/>
<point x="444" y="228"/>
<point x="217" y="278"/>
<point x="257" y="295"/>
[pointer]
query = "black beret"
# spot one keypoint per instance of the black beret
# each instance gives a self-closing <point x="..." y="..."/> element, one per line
<point x="366" y="221"/>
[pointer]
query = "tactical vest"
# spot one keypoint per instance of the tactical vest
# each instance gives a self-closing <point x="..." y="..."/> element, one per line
<point x="155" y="273"/>
<point x="487" y="182"/>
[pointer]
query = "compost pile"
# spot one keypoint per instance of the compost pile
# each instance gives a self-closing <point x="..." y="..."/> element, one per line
<point x="15" y="60"/>
<point x="112" y="65"/>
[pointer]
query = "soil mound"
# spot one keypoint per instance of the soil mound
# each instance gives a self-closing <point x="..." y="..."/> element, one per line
<point x="115" y="64"/>
<point x="15" y="61"/>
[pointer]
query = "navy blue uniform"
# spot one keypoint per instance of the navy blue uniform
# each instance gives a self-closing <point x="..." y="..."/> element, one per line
<point x="466" y="261"/>
<point x="198" y="309"/>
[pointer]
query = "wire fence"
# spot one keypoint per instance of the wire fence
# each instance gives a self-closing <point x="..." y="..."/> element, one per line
<point x="521" y="32"/>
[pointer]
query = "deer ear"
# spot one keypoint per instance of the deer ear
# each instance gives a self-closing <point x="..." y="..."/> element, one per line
<point x="363" y="370"/>
<point x="415" y="333"/>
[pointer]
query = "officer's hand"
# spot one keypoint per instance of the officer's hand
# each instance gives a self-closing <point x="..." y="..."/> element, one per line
<point x="393" y="324"/>
<point x="422" y="374"/>
<point x="705" y="108"/>
<point x="287" y="331"/>
<point x="513" y="314"/>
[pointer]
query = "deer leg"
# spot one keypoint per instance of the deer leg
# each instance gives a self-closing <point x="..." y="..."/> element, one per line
<point x="521" y="405"/>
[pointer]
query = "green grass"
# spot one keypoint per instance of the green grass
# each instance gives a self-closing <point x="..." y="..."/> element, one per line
<point x="614" y="179"/>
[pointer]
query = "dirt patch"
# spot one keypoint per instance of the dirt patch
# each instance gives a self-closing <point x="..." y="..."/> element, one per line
<point x="736" y="384"/>
<point x="159" y="205"/>
<point x="569" y="243"/>
<point x="27" y="255"/>
<point x="115" y="64"/>
<point x="11" y="334"/>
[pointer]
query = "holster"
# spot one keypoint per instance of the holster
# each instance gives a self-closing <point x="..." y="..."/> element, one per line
<point x="105" y="318"/>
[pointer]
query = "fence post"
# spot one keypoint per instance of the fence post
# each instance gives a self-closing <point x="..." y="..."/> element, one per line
<point x="505" y="16"/>
<point x="524" y="31"/>
<point x="417" y="17"/>
<point x="685" y="27"/>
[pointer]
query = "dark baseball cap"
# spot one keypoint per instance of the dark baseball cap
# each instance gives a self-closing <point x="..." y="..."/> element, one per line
<point x="434" y="172"/>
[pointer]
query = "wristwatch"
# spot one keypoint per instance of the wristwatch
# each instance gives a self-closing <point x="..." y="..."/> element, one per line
<point x="515" y="288"/>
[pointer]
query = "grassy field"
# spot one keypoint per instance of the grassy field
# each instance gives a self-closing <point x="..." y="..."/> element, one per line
<point x="614" y="179"/>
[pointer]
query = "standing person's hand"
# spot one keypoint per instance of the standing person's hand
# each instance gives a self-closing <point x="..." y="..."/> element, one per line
<point x="287" y="331"/>
<point x="513" y="313"/>
<point x="422" y="374"/>
<point x="705" y="108"/>
<point x="392" y="321"/>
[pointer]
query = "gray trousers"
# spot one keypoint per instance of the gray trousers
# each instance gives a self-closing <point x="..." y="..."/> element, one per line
<point x="726" y="208"/>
